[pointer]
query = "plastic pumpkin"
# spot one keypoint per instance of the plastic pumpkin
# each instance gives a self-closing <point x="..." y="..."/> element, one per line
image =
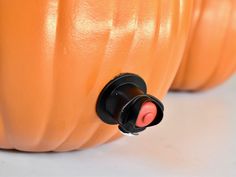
<point x="56" y="56"/>
<point x="210" y="55"/>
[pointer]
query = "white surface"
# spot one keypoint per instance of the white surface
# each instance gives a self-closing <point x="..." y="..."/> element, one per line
<point x="196" y="138"/>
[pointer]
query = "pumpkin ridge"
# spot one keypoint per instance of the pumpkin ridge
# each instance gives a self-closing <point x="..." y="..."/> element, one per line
<point x="172" y="17"/>
<point x="134" y="36"/>
<point x="155" y="43"/>
<point x="188" y="51"/>
<point x="62" y="145"/>
<point x="4" y="143"/>
<point x="226" y="73"/>
<point x="177" y="35"/>
<point x="219" y="60"/>
<point x="42" y="135"/>
<point x="153" y="46"/>
<point x="95" y="140"/>
<point x="97" y="75"/>
<point x="157" y="30"/>
<point x="184" y="63"/>
<point x="114" y="137"/>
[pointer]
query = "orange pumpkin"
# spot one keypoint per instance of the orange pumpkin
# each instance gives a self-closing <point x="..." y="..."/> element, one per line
<point x="56" y="56"/>
<point x="210" y="54"/>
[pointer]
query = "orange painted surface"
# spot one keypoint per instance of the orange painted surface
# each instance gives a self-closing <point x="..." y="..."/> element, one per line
<point x="56" y="56"/>
<point x="210" y="54"/>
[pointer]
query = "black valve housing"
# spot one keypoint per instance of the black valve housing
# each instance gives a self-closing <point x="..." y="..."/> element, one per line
<point x="120" y="102"/>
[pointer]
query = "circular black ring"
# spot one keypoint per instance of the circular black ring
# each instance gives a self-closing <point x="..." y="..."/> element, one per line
<point x="119" y="80"/>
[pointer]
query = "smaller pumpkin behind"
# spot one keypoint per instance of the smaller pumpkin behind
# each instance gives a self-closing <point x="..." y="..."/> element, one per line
<point x="210" y="55"/>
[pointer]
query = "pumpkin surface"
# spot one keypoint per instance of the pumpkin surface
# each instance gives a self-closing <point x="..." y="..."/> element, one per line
<point x="56" y="56"/>
<point x="210" y="54"/>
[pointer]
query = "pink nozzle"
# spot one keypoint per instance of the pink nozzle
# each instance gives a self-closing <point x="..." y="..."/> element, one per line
<point x="146" y="114"/>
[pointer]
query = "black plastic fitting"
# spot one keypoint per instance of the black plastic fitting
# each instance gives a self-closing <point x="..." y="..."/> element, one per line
<point x="120" y="102"/>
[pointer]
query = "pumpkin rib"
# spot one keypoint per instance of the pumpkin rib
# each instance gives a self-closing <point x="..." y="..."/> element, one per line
<point x="174" y="43"/>
<point x="214" y="71"/>
<point x="131" y="58"/>
<point x="154" y="45"/>
<point x="66" y="140"/>
<point x="188" y="61"/>
<point x="76" y="125"/>
<point x="171" y="17"/>
<point x="225" y="75"/>
<point x="156" y="31"/>
<point x="134" y="36"/>
<point x="178" y="37"/>
<point x="6" y="136"/>
<point x="4" y="143"/>
<point x="183" y="70"/>
<point x="155" y="37"/>
<point x="99" y="137"/>
<point x="114" y="137"/>
<point x="180" y="63"/>
<point x="96" y="81"/>
<point x="62" y="146"/>
<point x="219" y="75"/>
<point x="47" y="124"/>
<point x="42" y="135"/>
<point x="13" y="136"/>
<point x="220" y="60"/>
<point x="96" y="74"/>
<point x="163" y="15"/>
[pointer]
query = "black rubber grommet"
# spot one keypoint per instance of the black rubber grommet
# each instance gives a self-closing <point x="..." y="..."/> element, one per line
<point x="120" y="102"/>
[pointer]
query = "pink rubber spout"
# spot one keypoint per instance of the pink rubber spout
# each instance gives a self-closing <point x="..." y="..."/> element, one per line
<point x="146" y="114"/>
